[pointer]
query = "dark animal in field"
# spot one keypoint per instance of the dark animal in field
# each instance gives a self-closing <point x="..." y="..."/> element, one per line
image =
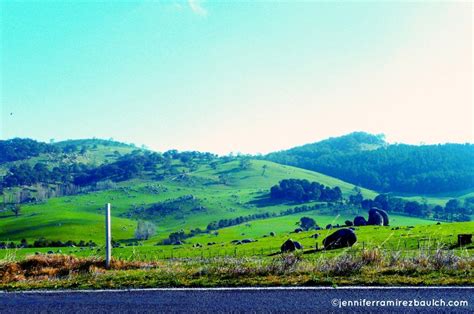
<point x="348" y="223"/>
<point x="211" y="243"/>
<point x="298" y="245"/>
<point x="298" y="230"/>
<point x="290" y="246"/>
<point x="339" y="239"/>
<point x="315" y="236"/>
<point x="248" y="240"/>
<point x="359" y="221"/>
<point x="50" y="252"/>
<point x="329" y="226"/>
<point x="381" y="212"/>
<point x="375" y="219"/>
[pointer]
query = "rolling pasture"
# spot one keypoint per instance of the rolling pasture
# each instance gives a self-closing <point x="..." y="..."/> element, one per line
<point x="192" y="198"/>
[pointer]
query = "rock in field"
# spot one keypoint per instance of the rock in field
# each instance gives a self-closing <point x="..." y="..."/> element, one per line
<point x="339" y="239"/>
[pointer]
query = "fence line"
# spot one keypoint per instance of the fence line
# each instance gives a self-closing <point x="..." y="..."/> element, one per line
<point x="315" y="251"/>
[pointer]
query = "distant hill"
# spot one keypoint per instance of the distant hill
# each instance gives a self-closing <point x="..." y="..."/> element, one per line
<point x="18" y="149"/>
<point x="367" y="160"/>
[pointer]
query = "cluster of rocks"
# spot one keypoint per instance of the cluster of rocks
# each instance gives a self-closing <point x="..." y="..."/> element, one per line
<point x="244" y="241"/>
<point x="377" y="217"/>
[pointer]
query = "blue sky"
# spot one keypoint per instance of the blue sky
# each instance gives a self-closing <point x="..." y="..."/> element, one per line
<point x="236" y="76"/>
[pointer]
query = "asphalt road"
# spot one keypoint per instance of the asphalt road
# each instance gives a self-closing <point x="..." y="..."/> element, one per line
<point x="238" y="300"/>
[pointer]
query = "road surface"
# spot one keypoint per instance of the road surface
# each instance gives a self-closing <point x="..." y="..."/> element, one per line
<point x="242" y="300"/>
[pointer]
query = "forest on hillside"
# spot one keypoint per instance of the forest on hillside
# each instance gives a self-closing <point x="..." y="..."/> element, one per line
<point x="366" y="160"/>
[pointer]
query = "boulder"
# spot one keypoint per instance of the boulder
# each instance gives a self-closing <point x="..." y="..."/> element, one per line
<point x="359" y="221"/>
<point x="288" y="246"/>
<point x="272" y="234"/>
<point x="382" y="213"/>
<point x="348" y="223"/>
<point x="375" y="218"/>
<point x="329" y="227"/>
<point x="248" y="240"/>
<point x="315" y="236"/>
<point x="339" y="239"/>
<point x="298" y="230"/>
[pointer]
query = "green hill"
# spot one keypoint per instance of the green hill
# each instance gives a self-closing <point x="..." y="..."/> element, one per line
<point x="367" y="160"/>
<point x="80" y="216"/>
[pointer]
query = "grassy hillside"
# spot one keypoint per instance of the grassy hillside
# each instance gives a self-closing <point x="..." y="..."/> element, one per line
<point x="80" y="216"/>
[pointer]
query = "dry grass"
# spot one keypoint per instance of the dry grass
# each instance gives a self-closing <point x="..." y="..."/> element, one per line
<point x="40" y="267"/>
<point x="367" y="267"/>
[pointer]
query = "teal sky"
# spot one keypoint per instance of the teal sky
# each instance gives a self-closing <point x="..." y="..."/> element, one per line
<point x="236" y="76"/>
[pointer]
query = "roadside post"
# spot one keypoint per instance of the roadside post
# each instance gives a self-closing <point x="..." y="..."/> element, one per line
<point x="108" y="236"/>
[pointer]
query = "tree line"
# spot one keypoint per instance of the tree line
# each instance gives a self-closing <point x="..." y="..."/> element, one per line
<point x="453" y="210"/>
<point x="303" y="191"/>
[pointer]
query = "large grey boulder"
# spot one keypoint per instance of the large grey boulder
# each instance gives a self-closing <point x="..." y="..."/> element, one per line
<point x="374" y="218"/>
<point x="384" y="214"/>
<point x="339" y="239"/>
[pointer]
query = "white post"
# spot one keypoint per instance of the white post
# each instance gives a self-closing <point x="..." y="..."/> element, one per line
<point x="108" y="236"/>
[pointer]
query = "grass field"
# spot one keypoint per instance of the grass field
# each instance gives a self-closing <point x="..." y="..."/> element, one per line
<point x="81" y="217"/>
<point x="407" y="239"/>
